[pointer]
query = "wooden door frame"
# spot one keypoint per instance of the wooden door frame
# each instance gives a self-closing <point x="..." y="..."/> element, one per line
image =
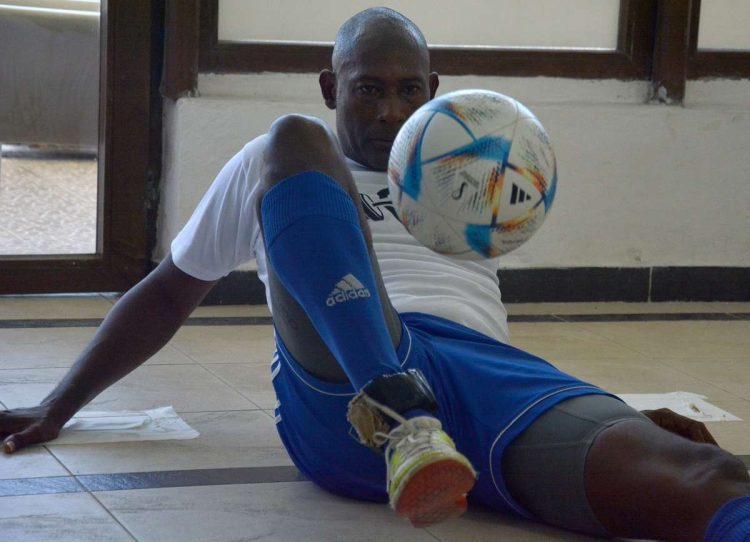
<point x="129" y="163"/>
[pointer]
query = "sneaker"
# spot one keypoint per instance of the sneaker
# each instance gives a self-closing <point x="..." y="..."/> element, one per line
<point x="427" y="477"/>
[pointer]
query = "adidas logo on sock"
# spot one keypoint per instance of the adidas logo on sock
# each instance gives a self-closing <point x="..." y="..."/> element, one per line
<point x="346" y="289"/>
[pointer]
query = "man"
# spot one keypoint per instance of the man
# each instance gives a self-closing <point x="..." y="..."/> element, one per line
<point x="400" y="366"/>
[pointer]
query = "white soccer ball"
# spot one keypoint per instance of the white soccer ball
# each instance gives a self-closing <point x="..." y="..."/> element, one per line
<point x="472" y="174"/>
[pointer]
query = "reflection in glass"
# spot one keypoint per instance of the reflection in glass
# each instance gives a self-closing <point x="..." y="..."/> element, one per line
<point x="49" y="108"/>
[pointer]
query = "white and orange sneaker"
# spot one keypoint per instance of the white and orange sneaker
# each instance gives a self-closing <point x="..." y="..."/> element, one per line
<point x="428" y="479"/>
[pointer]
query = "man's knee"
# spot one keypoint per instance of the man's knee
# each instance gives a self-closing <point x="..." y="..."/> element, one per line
<point x="702" y="469"/>
<point x="711" y="467"/>
<point x="652" y="456"/>
<point x="641" y="480"/>
<point x="301" y="134"/>
<point x="298" y="143"/>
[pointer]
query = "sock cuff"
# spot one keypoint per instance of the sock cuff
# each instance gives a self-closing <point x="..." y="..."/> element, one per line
<point x="305" y="194"/>
<point x="723" y="527"/>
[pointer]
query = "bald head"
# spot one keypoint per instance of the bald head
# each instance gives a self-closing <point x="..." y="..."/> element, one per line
<point x="381" y="75"/>
<point x="377" y="28"/>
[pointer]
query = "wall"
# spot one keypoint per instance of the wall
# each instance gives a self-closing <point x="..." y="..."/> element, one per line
<point x="640" y="184"/>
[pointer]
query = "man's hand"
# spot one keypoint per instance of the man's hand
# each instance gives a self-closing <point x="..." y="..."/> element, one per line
<point x="135" y="329"/>
<point x="22" y="427"/>
<point x="680" y="425"/>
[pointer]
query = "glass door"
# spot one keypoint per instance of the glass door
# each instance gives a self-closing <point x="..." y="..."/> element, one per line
<point x="79" y="142"/>
<point x="49" y="127"/>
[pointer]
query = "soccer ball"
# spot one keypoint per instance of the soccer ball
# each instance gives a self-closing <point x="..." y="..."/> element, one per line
<point x="472" y="174"/>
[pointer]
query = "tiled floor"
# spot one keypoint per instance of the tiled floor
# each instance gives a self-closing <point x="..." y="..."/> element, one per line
<point x="47" y="206"/>
<point x="236" y="482"/>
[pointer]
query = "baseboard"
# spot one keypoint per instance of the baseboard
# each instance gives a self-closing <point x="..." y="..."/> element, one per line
<point x="568" y="284"/>
<point x="700" y="284"/>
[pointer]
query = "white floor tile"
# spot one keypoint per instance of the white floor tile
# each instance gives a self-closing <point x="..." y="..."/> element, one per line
<point x="251" y="380"/>
<point x="227" y="439"/>
<point x="31" y="462"/>
<point x="704" y="341"/>
<point x="45" y="307"/>
<point x="65" y="517"/>
<point x="188" y="388"/>
<point x="220" y="311"/>
<point x="733" y="436"/>
<point x="483" y="525"/>
<point x="567" y="341"/>
<point x="283" y="512"/>
<point x="625" y="308"/>
<point x="732" y="375"/>
<point x="226" y="344"/>
<point x="35" y="348"/>
<point x="641" y="376"/>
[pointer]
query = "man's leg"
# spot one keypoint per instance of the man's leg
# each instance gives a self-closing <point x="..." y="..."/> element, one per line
<point x="595" y="465"/>
<point x="332" y="314"/>
<point x="298" y="144"/>
<point x="644" y="482"/>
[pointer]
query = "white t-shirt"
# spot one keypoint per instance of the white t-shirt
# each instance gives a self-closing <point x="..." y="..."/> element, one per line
<point x="223" y="233"/>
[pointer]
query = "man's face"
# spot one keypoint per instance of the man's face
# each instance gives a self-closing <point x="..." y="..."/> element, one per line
<point x="377" y="89"/>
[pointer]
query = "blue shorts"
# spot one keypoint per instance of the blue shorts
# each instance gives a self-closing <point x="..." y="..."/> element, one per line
<point x="488" y="393"/>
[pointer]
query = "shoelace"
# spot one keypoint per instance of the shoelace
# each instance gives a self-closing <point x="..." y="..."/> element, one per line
<point x="410" y="436"/>
<point x="406" y="438"/>
<point x="414" y="439"/>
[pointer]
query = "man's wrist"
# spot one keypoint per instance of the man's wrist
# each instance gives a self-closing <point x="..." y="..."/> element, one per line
<point x="59" y="409"/>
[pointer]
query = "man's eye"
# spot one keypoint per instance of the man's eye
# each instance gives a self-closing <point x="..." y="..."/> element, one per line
<point x="412" y="90"/>
<point x="367" y="90"/>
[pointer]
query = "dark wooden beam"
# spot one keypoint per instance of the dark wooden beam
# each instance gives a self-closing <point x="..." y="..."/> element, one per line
<point x="671" y="51"/>
<point x="181" y="40"/>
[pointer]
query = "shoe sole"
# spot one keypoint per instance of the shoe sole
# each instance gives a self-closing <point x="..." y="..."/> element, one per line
<point x="437" y="492"/>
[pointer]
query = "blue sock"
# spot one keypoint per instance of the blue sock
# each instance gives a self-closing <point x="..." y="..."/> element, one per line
<point x="731" y="523"/>
<point x="317" y="249"/>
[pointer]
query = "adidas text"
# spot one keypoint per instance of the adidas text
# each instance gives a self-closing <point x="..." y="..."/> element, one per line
<point x="340" y="297"/>
<point x="348" y="288"/>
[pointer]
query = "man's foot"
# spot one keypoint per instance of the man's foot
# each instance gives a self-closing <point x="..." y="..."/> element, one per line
<point x="427" y="477"/>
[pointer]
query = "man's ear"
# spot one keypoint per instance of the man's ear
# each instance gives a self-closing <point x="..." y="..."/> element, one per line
<point x="327" y="82"/>
<point x="434" y="82"/>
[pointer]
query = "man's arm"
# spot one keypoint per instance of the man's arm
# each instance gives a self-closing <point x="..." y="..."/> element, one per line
<point x="138" y="326"/>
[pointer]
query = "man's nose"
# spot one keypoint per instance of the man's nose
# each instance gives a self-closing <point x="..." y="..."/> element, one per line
<point x="392" y="109"/>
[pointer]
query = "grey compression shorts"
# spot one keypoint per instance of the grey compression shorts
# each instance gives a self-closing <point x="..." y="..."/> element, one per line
<point x="544" y="466"/>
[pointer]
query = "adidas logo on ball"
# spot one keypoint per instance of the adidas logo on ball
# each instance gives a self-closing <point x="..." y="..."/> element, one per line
<point x="472" y="174"/>
<point x="518" y="195"/>
<point x="346" y="289"/>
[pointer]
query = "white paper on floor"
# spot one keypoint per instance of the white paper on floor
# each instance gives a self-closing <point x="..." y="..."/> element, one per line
<point x="156" y="424"/>
<point x="690" y="405"/>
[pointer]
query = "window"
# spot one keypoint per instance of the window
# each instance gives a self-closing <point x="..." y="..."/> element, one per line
<point x="715" y="36"/>
<point x="618" y="48"/>
<point x="473" y="23"/>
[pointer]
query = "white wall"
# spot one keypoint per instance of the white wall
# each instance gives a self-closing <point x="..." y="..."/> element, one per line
<point x="640" y="184"/>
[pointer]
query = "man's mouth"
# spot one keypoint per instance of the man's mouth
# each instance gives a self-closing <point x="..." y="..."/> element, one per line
<point x="382" y="143"/>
